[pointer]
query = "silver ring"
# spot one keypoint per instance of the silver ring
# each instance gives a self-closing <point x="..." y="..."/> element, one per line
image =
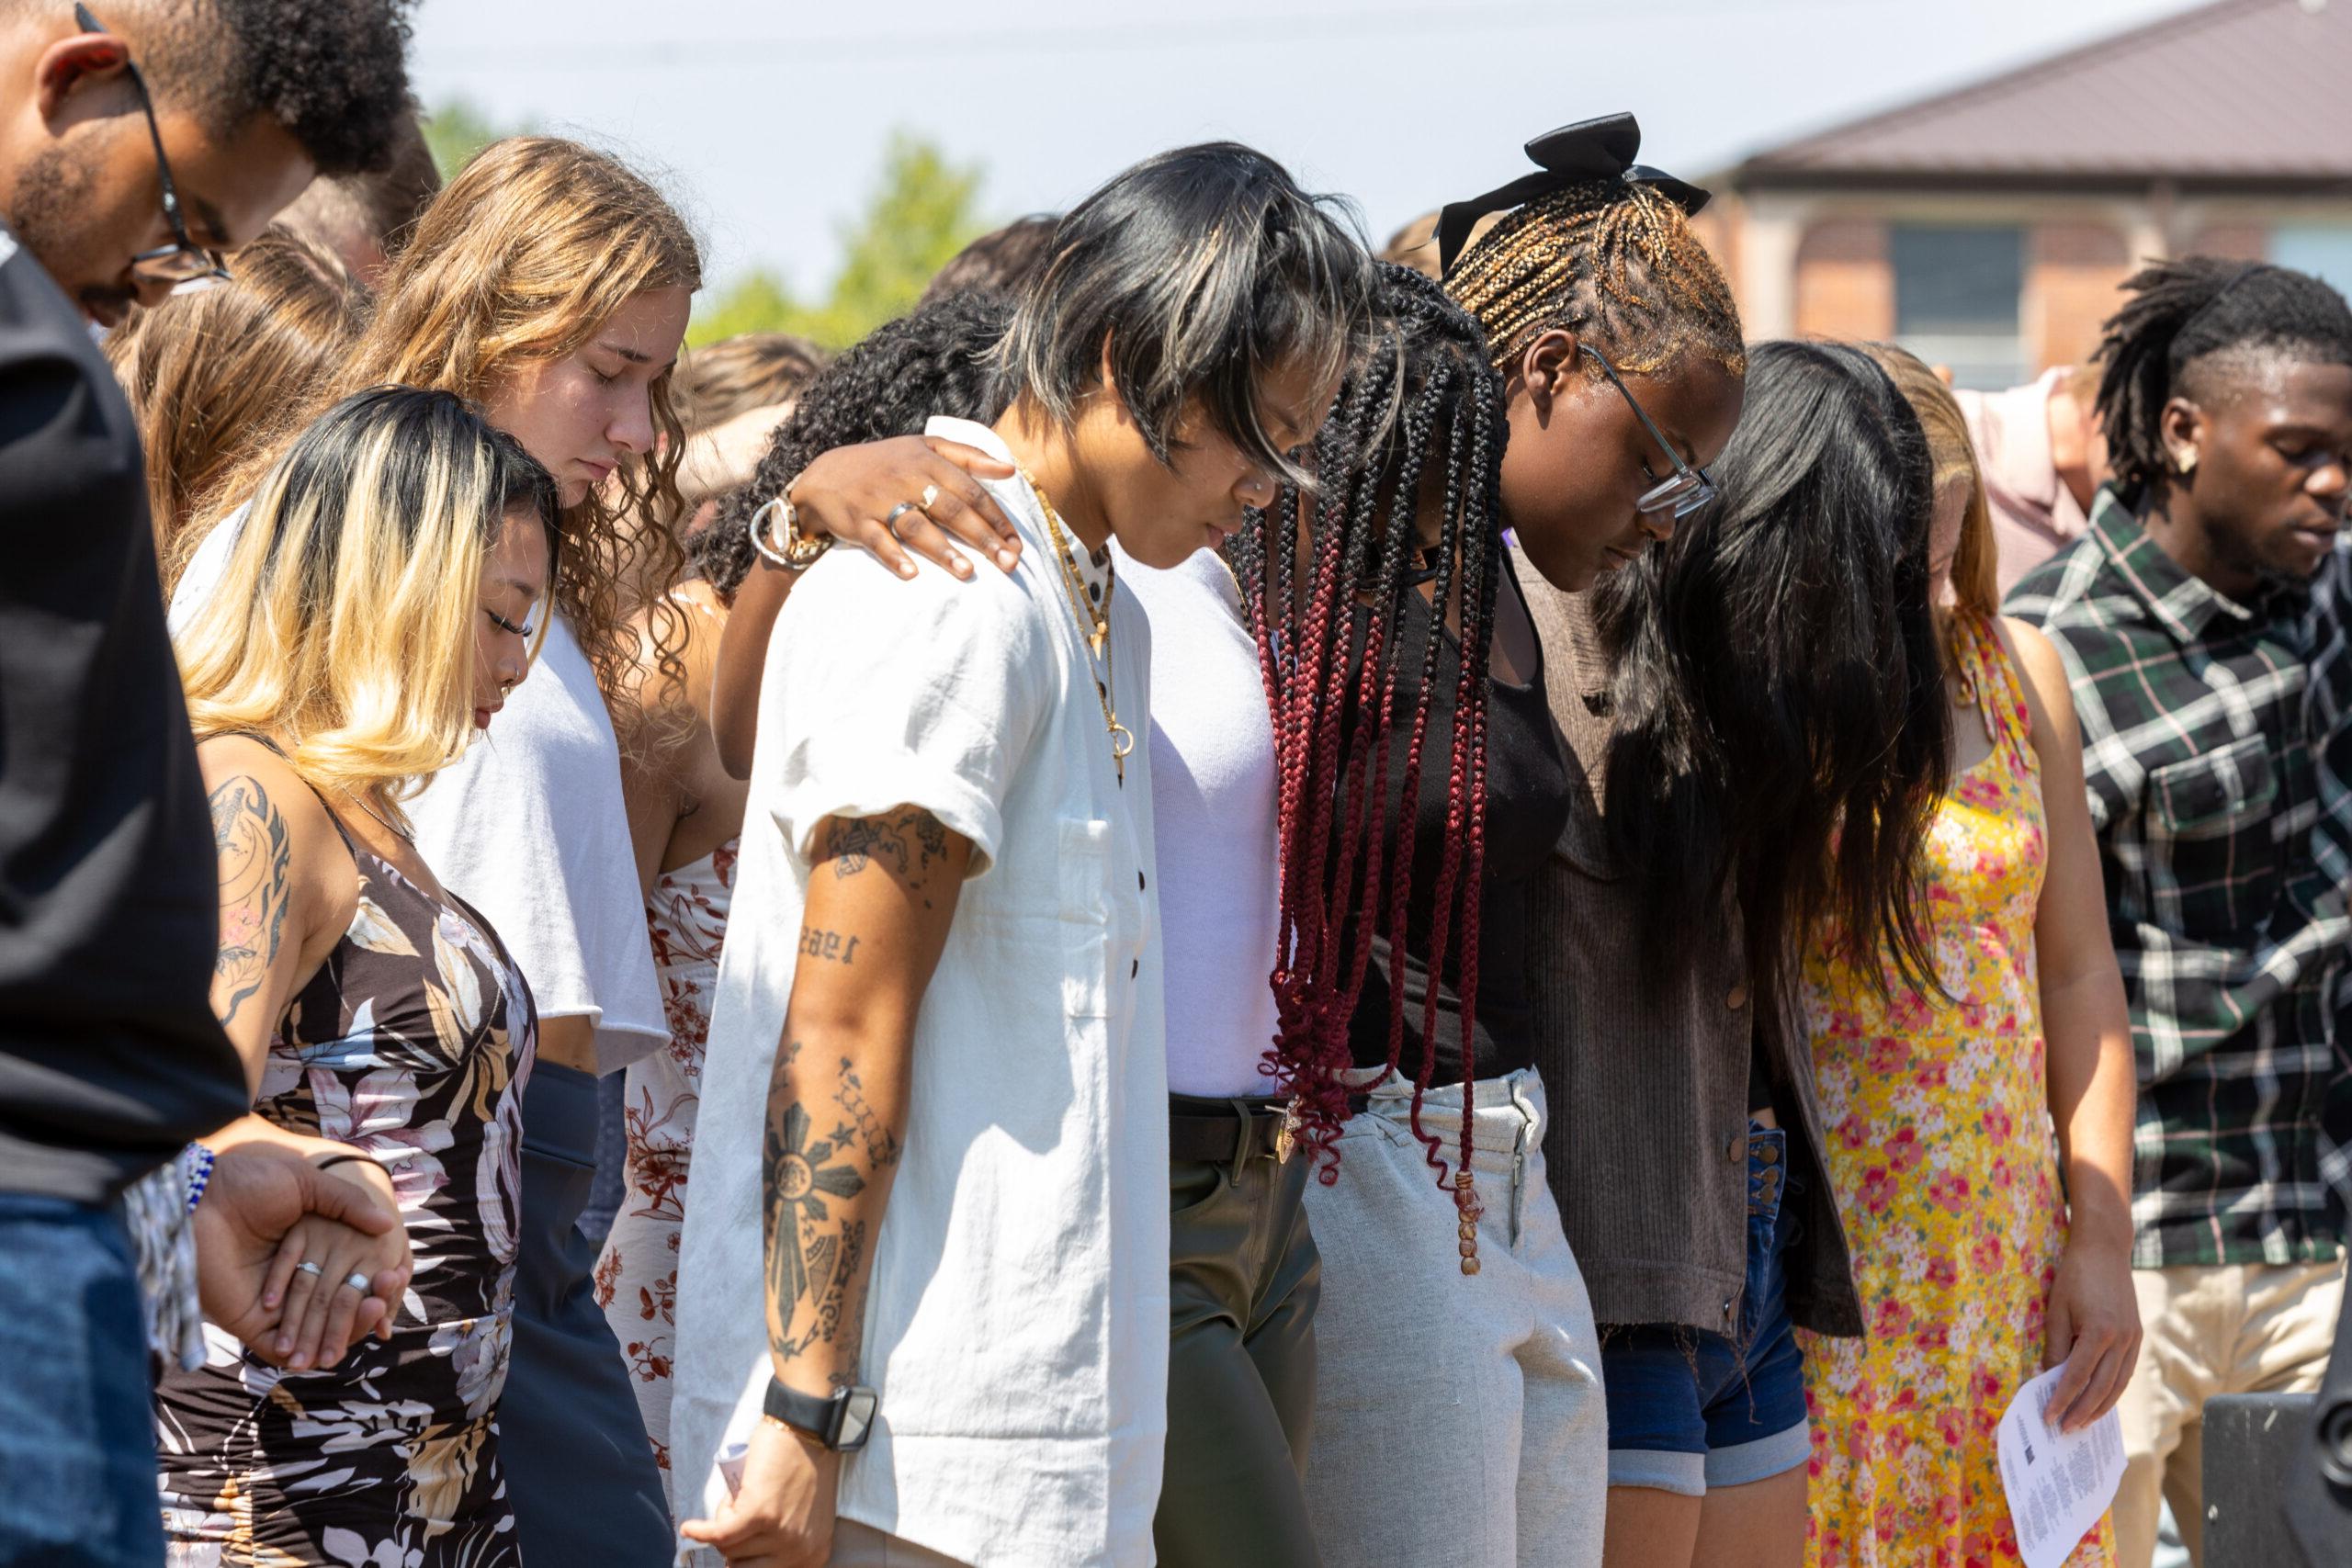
<point x="898" y="511"/>
<point x="358" y="1281"/>
<point x="930" y="497"/>
<point x="759" y="525"/>
<point x="307" y="1266"/>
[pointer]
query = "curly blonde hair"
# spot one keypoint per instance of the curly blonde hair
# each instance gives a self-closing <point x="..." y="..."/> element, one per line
<point x="525" y="254"/>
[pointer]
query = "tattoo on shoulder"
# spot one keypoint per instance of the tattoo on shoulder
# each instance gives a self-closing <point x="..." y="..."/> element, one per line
<point x="254" y="852"/>
<point x="907" y="844"/>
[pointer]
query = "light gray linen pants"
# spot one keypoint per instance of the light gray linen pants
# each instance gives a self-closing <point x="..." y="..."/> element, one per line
<point x="1458" y="1419"/>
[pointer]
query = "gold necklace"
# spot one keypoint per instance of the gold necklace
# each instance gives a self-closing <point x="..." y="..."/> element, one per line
<point x="1093" y="623"/>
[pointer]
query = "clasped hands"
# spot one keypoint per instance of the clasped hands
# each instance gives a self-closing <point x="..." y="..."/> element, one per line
<point x="269" y="1209"/>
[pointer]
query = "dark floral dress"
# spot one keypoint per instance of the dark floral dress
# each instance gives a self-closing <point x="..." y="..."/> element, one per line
<point x="412" y="1045"/>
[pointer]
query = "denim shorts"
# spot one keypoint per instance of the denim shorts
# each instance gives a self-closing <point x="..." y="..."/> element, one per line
<point x="1689" y="1410"/>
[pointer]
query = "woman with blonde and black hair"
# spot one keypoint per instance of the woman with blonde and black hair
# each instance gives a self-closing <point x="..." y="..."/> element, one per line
<point x="208" y="370"/>
<point x="551" y="282"/>
<point x="385" y="596"/>
<point x="1984" y="1250"/>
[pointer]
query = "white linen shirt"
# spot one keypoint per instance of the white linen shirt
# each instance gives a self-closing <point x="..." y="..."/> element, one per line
<point x="529" y="827"/>
<point x="1016" y="1327"/>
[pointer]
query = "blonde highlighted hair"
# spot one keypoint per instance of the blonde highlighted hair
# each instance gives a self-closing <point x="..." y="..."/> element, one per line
<point x="343" y="625"/>
<point x="1975" y="584"/>
<point x="520" y="260"/>
<point x="208" y="370"/>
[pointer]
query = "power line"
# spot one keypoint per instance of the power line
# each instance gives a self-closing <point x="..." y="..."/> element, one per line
<point x="1222" y="32"/>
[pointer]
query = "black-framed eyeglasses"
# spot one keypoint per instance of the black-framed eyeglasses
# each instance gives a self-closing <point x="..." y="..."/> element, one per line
<point x="184" y="261"/>
<point x="1682" y="492"/>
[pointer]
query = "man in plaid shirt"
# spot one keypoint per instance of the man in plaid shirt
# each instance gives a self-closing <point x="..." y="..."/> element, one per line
<point x="2201" y="621"/>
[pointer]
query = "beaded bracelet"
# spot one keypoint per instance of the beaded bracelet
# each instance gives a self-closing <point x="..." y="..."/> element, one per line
<point x="196" y="1164"/>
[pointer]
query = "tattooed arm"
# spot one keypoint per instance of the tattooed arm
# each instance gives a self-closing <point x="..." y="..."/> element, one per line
<point x="277" y="894"/>
<point x="287" y="892"/>
<point x="881" y="896"/>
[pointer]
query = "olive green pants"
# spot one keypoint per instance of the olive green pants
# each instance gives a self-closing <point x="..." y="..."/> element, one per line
<point x="1243" y="1278"/>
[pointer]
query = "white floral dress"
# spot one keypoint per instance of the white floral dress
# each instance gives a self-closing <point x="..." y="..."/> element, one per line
<point x="412" y="1045"/>
<point x="636" y="1277"/>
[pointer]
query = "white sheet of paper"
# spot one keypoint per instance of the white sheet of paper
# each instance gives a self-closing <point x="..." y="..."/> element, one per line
<point x="2058" y="1483"/>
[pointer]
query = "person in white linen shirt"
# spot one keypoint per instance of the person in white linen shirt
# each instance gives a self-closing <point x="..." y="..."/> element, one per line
<point x="943" y="963"/>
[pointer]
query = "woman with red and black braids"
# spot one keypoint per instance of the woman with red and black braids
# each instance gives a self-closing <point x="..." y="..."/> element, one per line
<point x="1427" y="965"/>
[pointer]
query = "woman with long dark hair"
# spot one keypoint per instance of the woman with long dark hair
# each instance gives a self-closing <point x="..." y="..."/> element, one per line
<point x="1942" y="1089"/>
<point x="1771" y="684"/>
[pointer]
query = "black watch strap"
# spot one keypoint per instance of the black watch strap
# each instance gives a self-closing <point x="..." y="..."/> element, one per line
<point x="841" y="1421"/>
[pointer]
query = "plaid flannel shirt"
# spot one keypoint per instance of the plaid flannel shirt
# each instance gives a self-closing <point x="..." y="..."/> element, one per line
<point x="2216" y="752"/>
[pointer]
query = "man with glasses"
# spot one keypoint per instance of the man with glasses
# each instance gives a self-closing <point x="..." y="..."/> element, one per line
<point x="135" y="153"/>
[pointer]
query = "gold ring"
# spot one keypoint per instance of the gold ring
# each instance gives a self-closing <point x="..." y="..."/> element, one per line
<point x="930" y="496"/>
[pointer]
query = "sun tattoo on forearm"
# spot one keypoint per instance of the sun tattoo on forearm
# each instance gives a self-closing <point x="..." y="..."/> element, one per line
<point x="801" y="1175"/>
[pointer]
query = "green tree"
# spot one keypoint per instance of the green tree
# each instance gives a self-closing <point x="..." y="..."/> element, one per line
<point x="457" y="129"/>
<point x="922" y="212"/>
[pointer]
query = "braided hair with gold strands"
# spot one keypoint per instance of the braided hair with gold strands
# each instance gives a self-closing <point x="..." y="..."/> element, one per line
<point x="1597" y="244"/>
<point x="1610" y="260"/>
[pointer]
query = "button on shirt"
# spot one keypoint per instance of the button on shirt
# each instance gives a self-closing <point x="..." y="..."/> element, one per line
<point x="1016" y="1327"/>
<point x="2222" y="826"/>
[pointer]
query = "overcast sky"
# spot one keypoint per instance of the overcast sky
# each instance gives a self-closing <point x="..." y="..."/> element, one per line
<point x="766" y="118"/>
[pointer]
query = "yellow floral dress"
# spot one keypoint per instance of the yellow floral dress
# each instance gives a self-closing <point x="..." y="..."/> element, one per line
<point x="1945" y="1167"/>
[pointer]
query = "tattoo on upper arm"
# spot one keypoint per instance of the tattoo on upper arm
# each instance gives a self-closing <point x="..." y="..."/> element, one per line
<point x="254" y="851"/>
<point x="909" y="843"/>
<point x="830" y="947"/>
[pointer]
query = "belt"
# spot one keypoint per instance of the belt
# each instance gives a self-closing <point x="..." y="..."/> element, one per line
<point x="1200" y="1133"/>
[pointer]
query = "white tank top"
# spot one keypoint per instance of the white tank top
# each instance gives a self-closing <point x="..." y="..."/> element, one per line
<point x="1213" y="787"/>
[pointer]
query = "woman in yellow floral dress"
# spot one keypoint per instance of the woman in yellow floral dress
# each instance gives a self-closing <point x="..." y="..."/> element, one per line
<point x="1947" y="1114"/>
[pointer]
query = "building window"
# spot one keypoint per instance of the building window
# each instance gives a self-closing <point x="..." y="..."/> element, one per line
<point x="1956" y="300"/>
<point x="2323" y="250"/>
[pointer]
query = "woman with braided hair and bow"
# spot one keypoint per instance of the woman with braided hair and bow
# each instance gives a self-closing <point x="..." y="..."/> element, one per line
<point x="1425" y="787"/>
<point x="1709" y="780"/>
<point x="1490" y="963"/>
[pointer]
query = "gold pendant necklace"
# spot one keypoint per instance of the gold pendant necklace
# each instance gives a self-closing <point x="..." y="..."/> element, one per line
<point x="1093" y="624"/>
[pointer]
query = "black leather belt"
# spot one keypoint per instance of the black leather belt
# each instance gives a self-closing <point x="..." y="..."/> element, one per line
<point x="1225" y="1131"/>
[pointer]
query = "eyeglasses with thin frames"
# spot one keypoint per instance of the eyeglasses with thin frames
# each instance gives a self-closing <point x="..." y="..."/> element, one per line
<point x="184" y="261"/>
<point x="1682" y="492"/>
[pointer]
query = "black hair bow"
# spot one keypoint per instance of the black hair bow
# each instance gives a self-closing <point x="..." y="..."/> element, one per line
<point x="1600" y="148"/>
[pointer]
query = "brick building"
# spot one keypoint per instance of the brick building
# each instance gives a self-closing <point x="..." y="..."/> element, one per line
<point x="1987" y="228"/>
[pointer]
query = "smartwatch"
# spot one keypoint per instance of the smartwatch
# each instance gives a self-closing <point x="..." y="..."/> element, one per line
<point x="841" y="1421"/>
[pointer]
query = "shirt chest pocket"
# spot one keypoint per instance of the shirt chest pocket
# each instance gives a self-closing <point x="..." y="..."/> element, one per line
<point x="2213" y="849"/>
<point x="1089" y="915"/>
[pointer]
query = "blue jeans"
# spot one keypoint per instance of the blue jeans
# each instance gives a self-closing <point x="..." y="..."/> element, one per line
<point x="77" y="1425"/>
<point x="1689" y="1410"/>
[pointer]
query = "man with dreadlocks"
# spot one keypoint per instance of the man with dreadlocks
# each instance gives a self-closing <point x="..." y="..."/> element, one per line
<point x="2200" y="619"/>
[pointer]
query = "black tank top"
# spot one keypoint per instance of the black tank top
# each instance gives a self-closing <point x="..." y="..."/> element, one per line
<point x="1527" y="810"/>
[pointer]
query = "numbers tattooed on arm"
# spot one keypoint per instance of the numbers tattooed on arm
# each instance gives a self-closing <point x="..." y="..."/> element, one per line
<point x="830" y="947"/>
<point x="251" y="844"/>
